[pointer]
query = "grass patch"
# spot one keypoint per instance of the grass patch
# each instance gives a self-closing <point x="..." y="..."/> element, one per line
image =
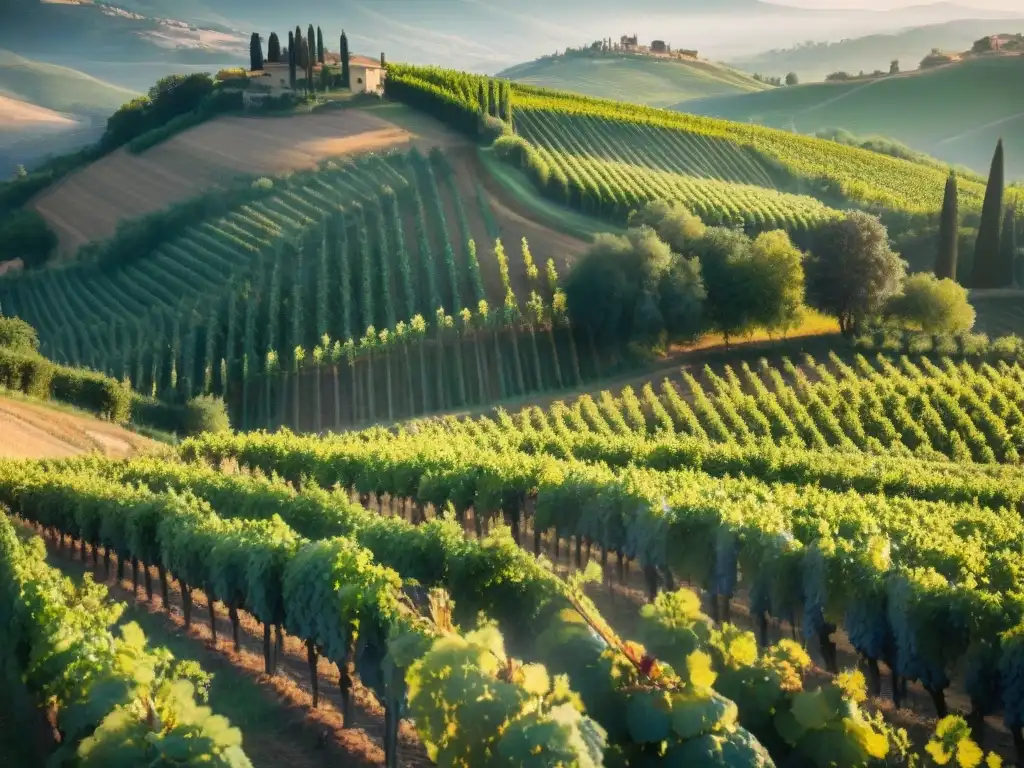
<point x="557" y="217"/>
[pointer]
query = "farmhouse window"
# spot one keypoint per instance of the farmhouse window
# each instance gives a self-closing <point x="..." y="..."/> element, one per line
<point x="359" y="80"/>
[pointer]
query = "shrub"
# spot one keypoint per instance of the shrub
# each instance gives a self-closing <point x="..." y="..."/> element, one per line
<point x="492" y="129"/>
<point x="206" y="413"/>
<point x="945" y="345"/>
<point x="94" y="392"/>
<point x="18" y="336"/>
<point x="150" y="412"/>
<point x="932" y="305"/>
<point x="25" y="235"/>
<point x="26" y="372"/>
<point x="973" y="344"/>
<point x="1008" y="347"/>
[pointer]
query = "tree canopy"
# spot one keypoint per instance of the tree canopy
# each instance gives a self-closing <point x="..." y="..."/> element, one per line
<point x="852" y="271"/>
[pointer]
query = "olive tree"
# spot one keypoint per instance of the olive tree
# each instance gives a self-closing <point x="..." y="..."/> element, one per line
<point x="852" y="271"/>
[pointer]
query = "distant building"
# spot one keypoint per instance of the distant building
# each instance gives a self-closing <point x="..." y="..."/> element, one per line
<point x="366" y="75"/>
<point x="688" y="54"/>
<point x="658" y="46"/>
<point x="629" y="43"/>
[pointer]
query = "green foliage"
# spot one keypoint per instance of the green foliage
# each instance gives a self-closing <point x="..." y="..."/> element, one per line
<point x="18" y="336"/>
<point x="613" y="289"/>
<point x="852" y="270"/>
<point x="750" y="284"/>
<point x="170" y="97"/>
<point x="206" y="413"/>
<point x="25" y="235"/>
<point x="474" y="705"/>
<point x="949" y="228"/>
<point x="986" y="272"/>
<point x="117" y="702"/>
<point x="932" y="305"/>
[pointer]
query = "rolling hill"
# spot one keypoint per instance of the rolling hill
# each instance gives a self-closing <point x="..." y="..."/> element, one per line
<point x="955" y="112"/>
<point x="49" y="109"/>
<point x="58" y="88"/>
<point x="815" y="60"/>
<point x="639" y="79"/>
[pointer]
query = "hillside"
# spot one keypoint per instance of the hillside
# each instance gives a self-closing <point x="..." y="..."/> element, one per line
<point x="955" y="112"/>
<point x="815" y="60"/>
<point x="640" y="79"/>
<point x="325" y="247"/>
<point x="57" y="88"/>
<point x="35" y="431"/>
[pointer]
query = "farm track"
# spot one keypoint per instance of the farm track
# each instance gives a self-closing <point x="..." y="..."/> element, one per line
<point x="34" y="431"/>
<point x="308" y="737"/>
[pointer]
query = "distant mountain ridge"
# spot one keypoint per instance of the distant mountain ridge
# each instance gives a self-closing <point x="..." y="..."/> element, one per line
<point x="815" y="60"/>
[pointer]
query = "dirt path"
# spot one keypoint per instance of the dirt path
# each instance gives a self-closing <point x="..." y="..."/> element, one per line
<point x="35" y="431"/>
<point x="304" y="737"/>
<point x="514" y="222"/>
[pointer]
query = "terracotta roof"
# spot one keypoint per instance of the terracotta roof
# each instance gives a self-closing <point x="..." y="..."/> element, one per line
<point x="364" y="61"/>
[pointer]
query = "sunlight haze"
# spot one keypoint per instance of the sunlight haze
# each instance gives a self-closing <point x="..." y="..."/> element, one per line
<point x="882" y="5"/>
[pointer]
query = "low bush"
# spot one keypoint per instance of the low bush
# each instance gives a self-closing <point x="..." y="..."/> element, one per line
<point x="92" y="391"/>
<point x="18" y="336"/>
<point x="25" y="235"/>
<point x="206" y="413"/>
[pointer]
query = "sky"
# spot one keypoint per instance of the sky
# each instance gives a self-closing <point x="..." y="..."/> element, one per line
<point x="1002" y="5"/>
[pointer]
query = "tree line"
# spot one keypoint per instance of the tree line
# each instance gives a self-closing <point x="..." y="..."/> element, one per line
<point x="670" y="279"/>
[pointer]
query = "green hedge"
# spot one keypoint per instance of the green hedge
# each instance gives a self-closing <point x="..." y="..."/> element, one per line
<point x="91" y="391"/>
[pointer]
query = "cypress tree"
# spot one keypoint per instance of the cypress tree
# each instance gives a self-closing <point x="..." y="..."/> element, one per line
<point x="1008" y="248"/>
<point x="986" y="252"/>
<point x="292" y="58"/>
<point x="319" y="45"/>
<point x="300" y="62"/>
<point x="274" y="49"/>
<point x="485" y="104"/>
<point x="308" y="55"/>
<point x="255" y="52"/>
<point x="343" y="54"/>
<point x="492" y="96"/>
<point x="508" y="103"/>
<point x="949" y="223"/>
<point x="311" y="42"/>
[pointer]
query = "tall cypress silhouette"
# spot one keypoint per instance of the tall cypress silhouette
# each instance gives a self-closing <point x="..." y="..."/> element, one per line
<point x="986" y="252"/>
<point x="1008" y="247"/>
<point x="293" y="58"/>
<point x="949" y="224"/>
<point x="274" y="48"/>
<point x="319" y="45"/>
<point x="343" y="54"/>
<point x="255" y="52"/>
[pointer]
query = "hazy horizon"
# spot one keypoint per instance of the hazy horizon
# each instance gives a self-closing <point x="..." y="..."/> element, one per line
<point x="884" y="5"/>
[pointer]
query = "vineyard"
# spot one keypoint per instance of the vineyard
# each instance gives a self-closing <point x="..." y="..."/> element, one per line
<point x="383" y="264"/>
<point x="924" y="548"/>
<point x="315" y="564"/>
<point x="733" y="151"/>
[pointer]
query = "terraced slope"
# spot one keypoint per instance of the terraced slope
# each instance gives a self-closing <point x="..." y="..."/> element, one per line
<point x="249" y="283"/>
<point x="741" y="152"/>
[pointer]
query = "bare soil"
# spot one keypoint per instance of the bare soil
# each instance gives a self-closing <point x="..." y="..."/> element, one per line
<point x="35" y="431"/>
<point x="514" y="223"/>
<point x="88" y="205"/>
